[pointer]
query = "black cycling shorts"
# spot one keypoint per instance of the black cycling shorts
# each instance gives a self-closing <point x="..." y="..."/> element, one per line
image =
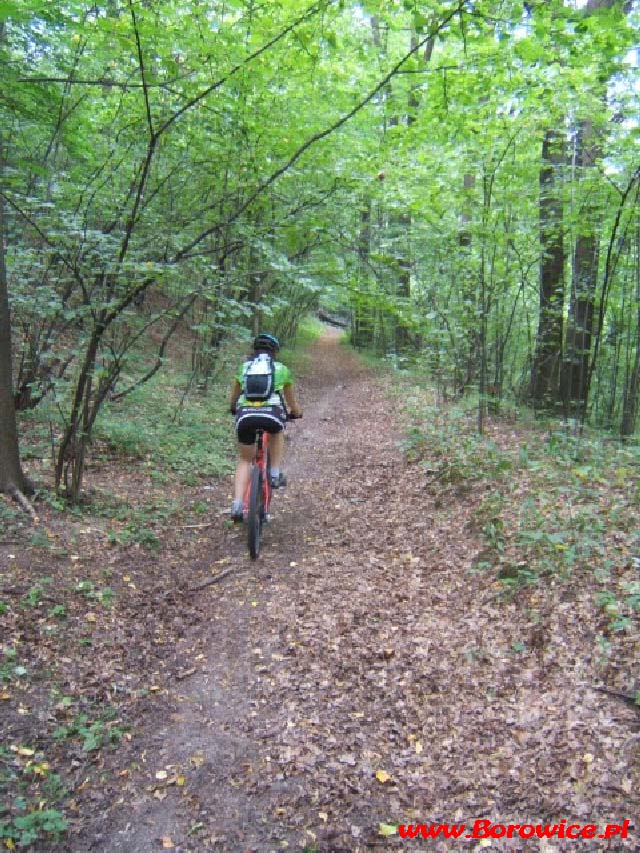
<point x="249" y="419"/>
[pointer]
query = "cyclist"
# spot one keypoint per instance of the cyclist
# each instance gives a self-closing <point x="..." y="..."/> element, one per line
<point x="269" y="415"/>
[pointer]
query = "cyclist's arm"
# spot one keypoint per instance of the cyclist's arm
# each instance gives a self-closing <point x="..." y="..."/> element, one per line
<point x="235" y="395"/>
<point x="291" y="401"/>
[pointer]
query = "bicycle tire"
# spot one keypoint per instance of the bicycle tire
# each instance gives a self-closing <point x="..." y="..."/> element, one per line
<point x="255" y="512"/>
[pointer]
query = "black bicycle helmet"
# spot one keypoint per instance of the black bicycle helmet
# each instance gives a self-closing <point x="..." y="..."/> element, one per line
<point x="266" y="342"/>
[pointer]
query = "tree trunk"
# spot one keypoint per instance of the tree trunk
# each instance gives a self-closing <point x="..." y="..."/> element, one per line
<point x="12" y="478"/>
<point x="575" y="368"/>
<point x="631" y="394"/>
<point x="404" y="339"/>
<point x="632" y="386"/>
<point x="578" y="366"/>
<point x="363" y="324"/>
<point x="545" y="371"/>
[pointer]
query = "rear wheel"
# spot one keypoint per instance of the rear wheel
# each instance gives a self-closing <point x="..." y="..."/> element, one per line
<point x="255" y="512"/>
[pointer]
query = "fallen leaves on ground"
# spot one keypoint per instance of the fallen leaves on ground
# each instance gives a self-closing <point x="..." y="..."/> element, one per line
<point x="363" y="673"/>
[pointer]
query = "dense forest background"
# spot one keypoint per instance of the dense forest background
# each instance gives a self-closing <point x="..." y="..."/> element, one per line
<point x="458" y="180"/>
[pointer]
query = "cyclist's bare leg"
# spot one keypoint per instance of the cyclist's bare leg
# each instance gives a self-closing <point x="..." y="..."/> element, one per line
<point x="247" y="453"/>
<point x="276" y="449"/>
<point x="243" y="470"/>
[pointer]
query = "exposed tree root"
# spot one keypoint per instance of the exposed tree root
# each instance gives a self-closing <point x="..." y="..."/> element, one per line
<point x="18" y="497"/>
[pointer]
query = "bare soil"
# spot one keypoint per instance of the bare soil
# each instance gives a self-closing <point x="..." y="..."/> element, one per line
<point x="358" y="675"/>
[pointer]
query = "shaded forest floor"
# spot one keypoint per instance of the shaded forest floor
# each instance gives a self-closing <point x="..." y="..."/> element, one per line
<point x="368" y="670"/>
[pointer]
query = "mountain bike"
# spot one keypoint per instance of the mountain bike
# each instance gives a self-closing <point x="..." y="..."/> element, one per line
<point x="257" y="499"/>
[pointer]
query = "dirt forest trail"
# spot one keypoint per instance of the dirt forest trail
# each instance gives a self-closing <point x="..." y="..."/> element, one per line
<point x="358" y="675"/>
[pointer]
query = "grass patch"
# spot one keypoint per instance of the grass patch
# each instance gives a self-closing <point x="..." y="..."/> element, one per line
<point x="8" y="514"/>
<point x="170" y="431"/>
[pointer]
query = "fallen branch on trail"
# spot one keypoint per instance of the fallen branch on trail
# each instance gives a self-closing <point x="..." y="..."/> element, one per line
<point x="216" y="579"/>
<point x="212" y="580"/>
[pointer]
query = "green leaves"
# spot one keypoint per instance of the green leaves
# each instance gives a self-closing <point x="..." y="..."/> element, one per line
<point x="93" y="735"/>
<point x="149" y="150"/>
<point x="529" y="50"/>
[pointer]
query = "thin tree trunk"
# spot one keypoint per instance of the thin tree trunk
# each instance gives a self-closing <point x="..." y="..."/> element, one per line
<point x="362" y="329"/>
<point x="545" y="372"/>
<point x="402" y="330"/>
<point x="468" y="284"/>
<point x="632" y="393"/>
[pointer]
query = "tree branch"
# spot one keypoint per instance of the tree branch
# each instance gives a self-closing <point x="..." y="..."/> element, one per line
<point x="143" y="77"/>
<point x="161" y="351"/>
<point x="102" y="82"/>
<point x="309" y="13"/>
<point x="317" y="137"/>
<point x="156" y="134"/>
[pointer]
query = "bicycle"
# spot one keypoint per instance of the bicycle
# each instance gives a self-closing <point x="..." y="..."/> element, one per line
<point x="257" y="499"/>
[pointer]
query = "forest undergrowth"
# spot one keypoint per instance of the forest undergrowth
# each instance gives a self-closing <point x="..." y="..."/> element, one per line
<point x="442" y="627"/>
<point x="548" y="502"/>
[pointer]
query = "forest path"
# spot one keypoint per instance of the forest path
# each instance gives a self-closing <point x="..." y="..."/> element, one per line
<point x="357" y="673"/>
